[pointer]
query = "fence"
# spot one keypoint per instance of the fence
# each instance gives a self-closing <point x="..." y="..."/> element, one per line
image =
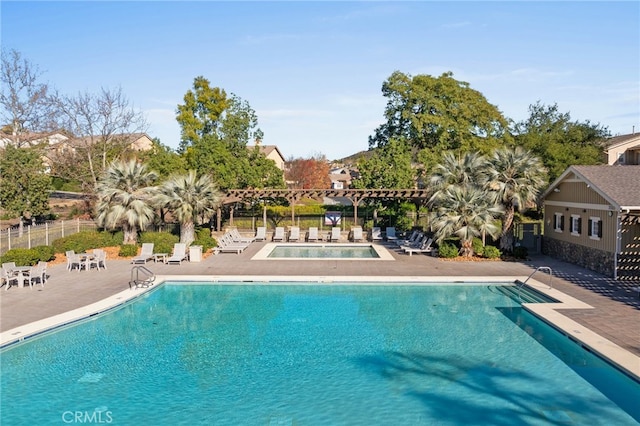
<point x="41" y="235"/>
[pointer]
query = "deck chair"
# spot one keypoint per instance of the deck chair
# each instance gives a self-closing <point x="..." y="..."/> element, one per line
<point x="391" y="233"/>
<point x="376" y="234"/>
<point x="356" y="234"/>
<point x="226" y="244"/>
<point x="424" y="247"/>
<point x="313" y="234"/>
<point x="145" y="255"/>
<point x="335" y="234"/>
<point x="261" y="233"/>
<point x="413" y="238"/>
<point x="294" y="233"/>
<point x="179" y="254"/>
<point x="237" y="238"/>
<point x="279" y="234"/>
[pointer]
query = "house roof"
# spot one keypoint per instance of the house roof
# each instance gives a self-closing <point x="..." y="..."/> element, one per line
<point x="267" y="149"/>
<point x="619" y="185"/>
<point x="622" y="139"/>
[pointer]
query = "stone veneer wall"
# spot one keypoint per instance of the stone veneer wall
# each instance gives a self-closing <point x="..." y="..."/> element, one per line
<point x="596" y="260"/>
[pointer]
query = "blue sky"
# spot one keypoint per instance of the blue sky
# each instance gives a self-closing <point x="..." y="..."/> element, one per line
<point x="313" y="71"/>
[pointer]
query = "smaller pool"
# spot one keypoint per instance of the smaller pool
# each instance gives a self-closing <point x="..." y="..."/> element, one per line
<point x="336" y="251"/>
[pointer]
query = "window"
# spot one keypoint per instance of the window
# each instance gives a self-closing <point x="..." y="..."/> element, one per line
<point x="558" y="222"/>
<point x="575" y="227"/>
<point x="595" y="228"/>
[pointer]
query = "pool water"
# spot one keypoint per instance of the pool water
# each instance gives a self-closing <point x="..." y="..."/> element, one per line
<point x="323" y="252"/>
<point x="314" y="355"/>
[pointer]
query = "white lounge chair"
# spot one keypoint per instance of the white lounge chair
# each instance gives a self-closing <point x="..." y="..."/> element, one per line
<point x="391" y="233"/>
<point x="278" y="235"/>
<point x="335" y="234"/>
<point x="179" y="254"/>
<point x="356" y="234"/>
<point x="261" y="233"/>
<point x="294" y="234"/>
<point x="145" y="255"/>
<point x="376" y="234"/>
<point x="226" y="244"/>
<point x="424" y="247"/>
<point x="313" y="234"/>
<point x="237" y="238"/>
<point x="415" y="236"/>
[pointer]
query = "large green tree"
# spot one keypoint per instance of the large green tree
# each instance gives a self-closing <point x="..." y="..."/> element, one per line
<point x="514" y="178"/>
<point x="558" y="141"/>
<point x="163" y="160"/>
<point x="24" y="182"/>
<point x="124" y="198"/>
<point x="437" y="114"/>
<point x="388" y="167"/>
<point x="188" y="198"/>
<point x="215" y="132"/>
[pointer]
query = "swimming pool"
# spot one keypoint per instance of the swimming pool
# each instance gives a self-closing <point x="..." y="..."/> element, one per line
<point x="311" y="251"/>
<point x="314" y="354"/>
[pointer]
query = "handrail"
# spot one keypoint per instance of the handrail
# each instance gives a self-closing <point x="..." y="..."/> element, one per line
<point x="147" y="280"/>
<point x="540" y="268"/>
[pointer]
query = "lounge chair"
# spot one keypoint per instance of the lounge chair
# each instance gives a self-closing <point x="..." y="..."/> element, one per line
<point x="179" y="254"/>
<point x="424" y="247"/>
<point x="391" y="233"/>
<point x="376" y="234"/>
<point x="261" y="233"/>
<point x="145" y="255"/>
<point x="356" y="234"/>
<point x="294" y="234"/>
<point x="415" y="236"/>
<point x="237" y="238"/>
<point x="313" y="234"/>
<point x="278" y="235"/>
<point x="226" y="244"/>
<point x="335" y="234"/>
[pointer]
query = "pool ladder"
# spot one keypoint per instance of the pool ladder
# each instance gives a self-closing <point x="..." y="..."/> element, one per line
<point x="539" y="268"/>
<point x="141" y="276"/>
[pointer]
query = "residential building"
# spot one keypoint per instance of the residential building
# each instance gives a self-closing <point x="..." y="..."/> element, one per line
<point x="623" y="150"/>
<point x="592" y="219"/>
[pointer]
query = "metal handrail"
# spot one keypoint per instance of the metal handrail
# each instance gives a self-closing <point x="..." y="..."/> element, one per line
<point x="148" y="277"/>
<point x="540" y="268"/>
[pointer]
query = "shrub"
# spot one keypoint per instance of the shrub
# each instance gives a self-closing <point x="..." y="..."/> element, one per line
<point x="128" y="250"/>
<point x="520" y="252"/>
<point x="204" y="239"/>
<point x="85" y="240"/>
<point x="21" y="257"/>
<point x="45" y="253"/>
<point x="478" y="248"/>
<point x="447" y="250"/>
<point x="491" y="252"/>
<point x="162" y="241"/>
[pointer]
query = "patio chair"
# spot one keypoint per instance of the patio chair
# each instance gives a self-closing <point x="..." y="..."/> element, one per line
<point x="335" y="234"/>
<point x="73" y="260"/>
<point x="9" y="265"/>
<point x="356" y="234"/>
<point x="43" y="266"/>
<point x="376" y="234"/>
<point x="278" y="235"/>
<point x="100" y="258"/>
<point x="294" y="233"/>
<point x="237" y="238"/>
<point x="261" y="233"/>
<point x="179" y="254"/>
<point x="415" y="236"/>
<point x="226" y="244"/>
<point x="9" y="278"/>
<point x="145" y="255"/>
<point x="313" y="234"/>
<point x="35" y="275"/>
<point x="391" y="233"/>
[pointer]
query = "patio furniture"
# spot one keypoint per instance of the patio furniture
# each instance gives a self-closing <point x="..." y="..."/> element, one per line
<point x="313" y="234"/>
<point x="376" y="234"/>
<point x="335" y="234"/>
<point x="9" y="278"/>
<point x="145" y="255"/>
<point x="179" y="254"/>
<point x="356" y="234"/>
<point x="261" y="233"/>
<point x="278" y="235"/>
<point x="294" y="233"/>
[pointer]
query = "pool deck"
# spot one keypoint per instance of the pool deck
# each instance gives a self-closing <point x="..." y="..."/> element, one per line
<point x="613" y="313"/>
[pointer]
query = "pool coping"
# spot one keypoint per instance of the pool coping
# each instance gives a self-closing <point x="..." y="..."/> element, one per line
<point x="382" y="251"/>
<point x="548" y="312"/>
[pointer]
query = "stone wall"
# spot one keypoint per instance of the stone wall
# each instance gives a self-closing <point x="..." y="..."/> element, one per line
<point x="596" y="260"/>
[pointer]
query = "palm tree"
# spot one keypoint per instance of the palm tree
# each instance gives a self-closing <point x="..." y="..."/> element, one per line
<point x="514" y="178"/>
<point x="188" y="197"/>
<point x="467" y="212"/>
<point x="455" y="170"/>
<point x="124" y="198"/>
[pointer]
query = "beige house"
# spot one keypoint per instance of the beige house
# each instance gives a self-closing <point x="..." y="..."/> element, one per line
<point x="623" y="150"/>
<point x="592" y="219"/>
<point x="272" y="153"/>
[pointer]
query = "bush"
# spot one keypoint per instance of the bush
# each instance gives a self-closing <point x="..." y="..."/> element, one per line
<point x="162" y="241"/>
<point x="491" y="252"/>
<point x="478" y="248"/>
<point x="520" y="252"/>
<point x="448" y="250"/>
<point x="45" y="253"/>
<point x="128" y="250"/>
<point x="21" y="257"/>
<point x="85" y="240"/>
<point x="204" y="239"/>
